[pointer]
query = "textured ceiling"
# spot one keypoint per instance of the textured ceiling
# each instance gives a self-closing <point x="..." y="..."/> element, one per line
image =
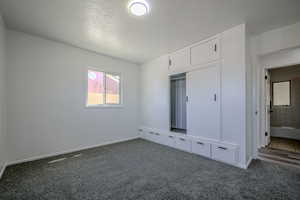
<point x="106" y="27"/>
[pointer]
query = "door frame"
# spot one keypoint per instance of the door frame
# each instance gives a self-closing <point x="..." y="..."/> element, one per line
<point x="267" y="130"/>
<point x="262" y="93"/>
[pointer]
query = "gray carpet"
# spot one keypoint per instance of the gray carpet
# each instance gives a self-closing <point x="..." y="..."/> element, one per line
<point x="143" y="170"/>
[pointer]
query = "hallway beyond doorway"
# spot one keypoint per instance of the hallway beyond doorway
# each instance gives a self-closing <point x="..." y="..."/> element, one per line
<point x="285" y="144"/>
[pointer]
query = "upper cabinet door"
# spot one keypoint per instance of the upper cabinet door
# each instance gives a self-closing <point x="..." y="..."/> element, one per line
<point x="205" y="52"/>
<point x="179" y="61"/>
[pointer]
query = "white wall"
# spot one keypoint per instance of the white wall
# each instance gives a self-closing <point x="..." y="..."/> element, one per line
<point x="2" y="95"/>
<point x="278" y="47"/>
<point x="46" y="98"/>
<point x="281" y="58"/>
<point x="279" y="39"/>
<point x="256" y="81"/>
<point x="249" y="99"/>
<point x="233" y="88"/>
<point x="155" y="94"/>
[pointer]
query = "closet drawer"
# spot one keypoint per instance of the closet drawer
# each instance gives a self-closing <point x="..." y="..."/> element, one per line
<point x="184" y="144"/>
<point x="170" y="141"/>
<point x="155" y="137"/>
<point x="143" y="134"/>
<point x="225" y="154"/>
<point x="158" y="138"/>
<point x="201" y="148"/>
<point x="150" y="136"/>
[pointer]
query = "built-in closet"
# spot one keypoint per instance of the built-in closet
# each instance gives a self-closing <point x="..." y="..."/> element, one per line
<point x="207" y="99"/>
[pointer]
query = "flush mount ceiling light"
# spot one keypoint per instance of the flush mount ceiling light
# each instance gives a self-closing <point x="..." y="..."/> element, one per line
<point x="138" y="7"/>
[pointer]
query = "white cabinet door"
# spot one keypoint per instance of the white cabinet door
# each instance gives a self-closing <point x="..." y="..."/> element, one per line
<point x="179" y="61"/>
<point x="205" y="52"/>
<point x="203" y="107"/>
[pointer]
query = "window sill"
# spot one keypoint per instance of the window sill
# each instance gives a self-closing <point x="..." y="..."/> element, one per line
<point x="104" y="106"/>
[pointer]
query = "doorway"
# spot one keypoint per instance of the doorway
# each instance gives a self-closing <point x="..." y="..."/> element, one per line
<point x="282" y="114"/>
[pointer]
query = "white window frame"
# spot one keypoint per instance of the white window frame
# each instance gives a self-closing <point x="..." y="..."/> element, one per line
<point x="105" y="105"/>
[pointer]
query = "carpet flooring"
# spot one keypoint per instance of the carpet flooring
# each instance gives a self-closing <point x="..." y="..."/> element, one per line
<point x="142" y="170"/>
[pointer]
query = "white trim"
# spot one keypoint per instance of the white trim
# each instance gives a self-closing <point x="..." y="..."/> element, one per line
<point x="3" y="169"/>
<point x="69" y="151"/>
<point x="104" y="106"/>
<point x="245" y="166"/>
<point x="249" y="162"/>
<point x="267" y="93"/>
<point x="191" y="68"/>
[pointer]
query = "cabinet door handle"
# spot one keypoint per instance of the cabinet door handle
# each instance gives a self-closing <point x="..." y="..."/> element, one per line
<point x="200" y="143"/>
<point x="170" y="136"/>
<point x="215" y="97"/>
<point x="215" y="48"/>
<point x="157" y="134"/>
<point x="222" y="148"/>
<point x="170" y="62"/>
<point x="182" y="139"/>
<point x="151" y="132"/>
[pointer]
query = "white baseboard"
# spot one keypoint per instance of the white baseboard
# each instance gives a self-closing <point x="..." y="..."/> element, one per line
<point x="2" y="169"/>
<point x="249" y="162"/>
<point x="68" y="151"/>
<point x="245" y="166"/>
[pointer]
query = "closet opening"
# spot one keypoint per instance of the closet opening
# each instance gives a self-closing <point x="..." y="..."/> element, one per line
<point x="178" y="101"/>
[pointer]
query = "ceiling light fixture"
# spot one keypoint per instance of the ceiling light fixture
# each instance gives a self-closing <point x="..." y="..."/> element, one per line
<point x="138" y="7"/>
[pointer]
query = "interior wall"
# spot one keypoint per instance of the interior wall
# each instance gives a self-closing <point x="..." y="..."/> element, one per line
<point x="249" y="99"/>
<point x="285" y="57"/>
<point x="233" y="89"/>
<point x="278" y="39"/>
<point x="274" y="48"/>
<point x="155" y="98"/>
<point x="256" y="81"/>
<point x="47" y="95"/>
<point x="2" y="95"/>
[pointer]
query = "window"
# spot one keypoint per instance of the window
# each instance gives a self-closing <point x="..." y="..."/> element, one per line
<point x="282" y="93"/>
<point x="103" y="88"/>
